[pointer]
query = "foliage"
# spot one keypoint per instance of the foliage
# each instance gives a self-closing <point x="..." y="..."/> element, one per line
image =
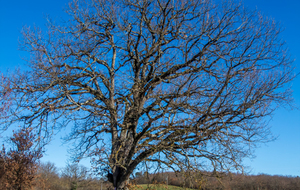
<point x="19" y="165"/>
<point x="181" y="84"/>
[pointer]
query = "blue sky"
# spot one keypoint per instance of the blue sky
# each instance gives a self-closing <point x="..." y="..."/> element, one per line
<point x="281" y="157"/>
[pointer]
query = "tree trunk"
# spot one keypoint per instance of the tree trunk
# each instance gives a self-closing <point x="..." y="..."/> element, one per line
<point x="122" y="186"/>
<point x="120" y="178"/>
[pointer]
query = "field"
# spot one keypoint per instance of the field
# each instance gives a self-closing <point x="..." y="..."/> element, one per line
<point x="158" y="187"/>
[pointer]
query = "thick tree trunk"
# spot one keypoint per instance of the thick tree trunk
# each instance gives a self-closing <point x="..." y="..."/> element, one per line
<point x="120" y="179"/>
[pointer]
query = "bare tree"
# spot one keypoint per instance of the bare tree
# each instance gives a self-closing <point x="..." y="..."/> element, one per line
<point x="184" y="84"/>
<point x="47" y="177"/>
<point x="78" y="176"/>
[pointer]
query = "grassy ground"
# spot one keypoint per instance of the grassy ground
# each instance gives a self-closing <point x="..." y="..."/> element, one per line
<point x="158" y="187"/>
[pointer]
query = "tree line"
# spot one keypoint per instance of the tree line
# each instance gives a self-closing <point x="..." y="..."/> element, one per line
<point x="225" y="181"/>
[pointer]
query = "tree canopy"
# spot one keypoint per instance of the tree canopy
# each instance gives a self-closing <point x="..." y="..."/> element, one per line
<point x="186" y="84"/>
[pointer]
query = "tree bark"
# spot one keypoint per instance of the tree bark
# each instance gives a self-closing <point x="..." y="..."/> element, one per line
<point x="120" y="179"/>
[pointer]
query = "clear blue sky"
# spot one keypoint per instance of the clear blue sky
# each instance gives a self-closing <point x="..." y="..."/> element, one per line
<point x="281" y="157"/>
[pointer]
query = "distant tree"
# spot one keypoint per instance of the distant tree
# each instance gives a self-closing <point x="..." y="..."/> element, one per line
<point x="47" y="177"/>
<point x="19" y="164"/>
<point x="138" y="174"/>
<point x="184" y="84"/>
<point x="78" y="176"/>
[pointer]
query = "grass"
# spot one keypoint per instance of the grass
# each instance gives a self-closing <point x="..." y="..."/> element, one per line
<point x="157" y="187"/>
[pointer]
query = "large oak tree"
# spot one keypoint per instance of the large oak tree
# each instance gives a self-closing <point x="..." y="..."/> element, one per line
<point x="186" y="84"/>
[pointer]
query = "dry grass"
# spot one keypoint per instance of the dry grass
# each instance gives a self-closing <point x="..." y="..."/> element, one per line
<point x="157" y="187"/>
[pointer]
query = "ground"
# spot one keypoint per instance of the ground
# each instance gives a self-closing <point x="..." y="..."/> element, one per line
<point x="158" y="187"/>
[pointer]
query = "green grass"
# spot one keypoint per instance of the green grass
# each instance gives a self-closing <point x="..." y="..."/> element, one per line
<point x="158" y="187"/>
